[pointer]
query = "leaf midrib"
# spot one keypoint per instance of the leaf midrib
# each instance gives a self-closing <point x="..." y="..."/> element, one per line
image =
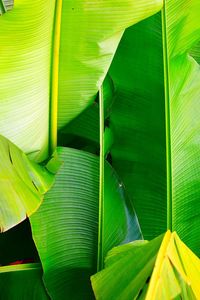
<point x="2" y="7"/>
<point x="53" y="114"/>
<point x="100" y="255"/>
<point x="167" y="118"/>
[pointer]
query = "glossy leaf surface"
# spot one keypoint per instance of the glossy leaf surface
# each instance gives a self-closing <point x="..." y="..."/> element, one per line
<point x="142" y="122"/>
<point x="182" y="90"/>
<point x="65" y="227"/>
<point x="26" y="44"/>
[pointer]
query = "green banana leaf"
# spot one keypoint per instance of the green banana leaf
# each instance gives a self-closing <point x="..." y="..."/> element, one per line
<point x="41" y="63"/>
<point x="65" y="227"/>
<point x="175" y="271"/>
<point x="124" y="276"/>
<point x="155" y="126"/>
<point x="138" y="123"/>
<point x="83" y="128"/>
<point x="182" y="123"/>
<point x="26" y="44"/>
<point x="146" y="130"/>
<point x="90" y="33"/>
<point x="22" y="184"/>
<point x="29" y="66"/>
<point x="22" y="282"/>
<point x="83" y="131"/>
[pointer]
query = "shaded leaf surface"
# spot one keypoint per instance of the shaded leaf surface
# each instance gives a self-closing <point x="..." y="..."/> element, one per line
<point x="65" y="227"/>
<point x="138" y="123"/>
<point x="22" y="282"/>
<point x="86" y="125"/>
<point x="90" y="33"/>
<point x="16" y="244"/>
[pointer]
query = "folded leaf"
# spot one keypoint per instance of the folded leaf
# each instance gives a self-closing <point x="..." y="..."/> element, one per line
<point x="22" y="184"/>
<point x="22" y="282"/>
<point x="65" y="228"/>
<point x="84" y="129"/>
<point x="175" y="269"/>
<point x="127" y="274"/>
<point x="90" y="33"/>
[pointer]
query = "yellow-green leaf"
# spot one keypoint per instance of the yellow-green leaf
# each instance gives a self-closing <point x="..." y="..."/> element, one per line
<point x="22" y="184"/>
<point x="173" y="267"/>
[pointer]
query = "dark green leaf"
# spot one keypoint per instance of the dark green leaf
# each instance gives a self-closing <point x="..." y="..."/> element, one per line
<point x="22" y="282"/>
<point x="138" y="123"/>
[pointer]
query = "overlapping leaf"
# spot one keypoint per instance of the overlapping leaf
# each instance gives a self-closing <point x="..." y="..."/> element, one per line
<point x="65" y="228"/>
<point x="126" y="271"/>
<point x="22" y="184"/>
<point x="90" y="33"/>
<point x="83" y="131"/>
<point x="139" y="114"/>
<point x="138" y="123"/>
<point x="175" y="274"/>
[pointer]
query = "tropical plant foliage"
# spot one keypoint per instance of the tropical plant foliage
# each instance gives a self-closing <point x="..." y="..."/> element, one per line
<point x="22" y="184"/>
<point x="175" y="271"/>
<point x="99" y="147"/>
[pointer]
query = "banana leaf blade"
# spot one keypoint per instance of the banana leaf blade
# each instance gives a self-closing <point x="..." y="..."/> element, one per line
<point x="65" y="228"/>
